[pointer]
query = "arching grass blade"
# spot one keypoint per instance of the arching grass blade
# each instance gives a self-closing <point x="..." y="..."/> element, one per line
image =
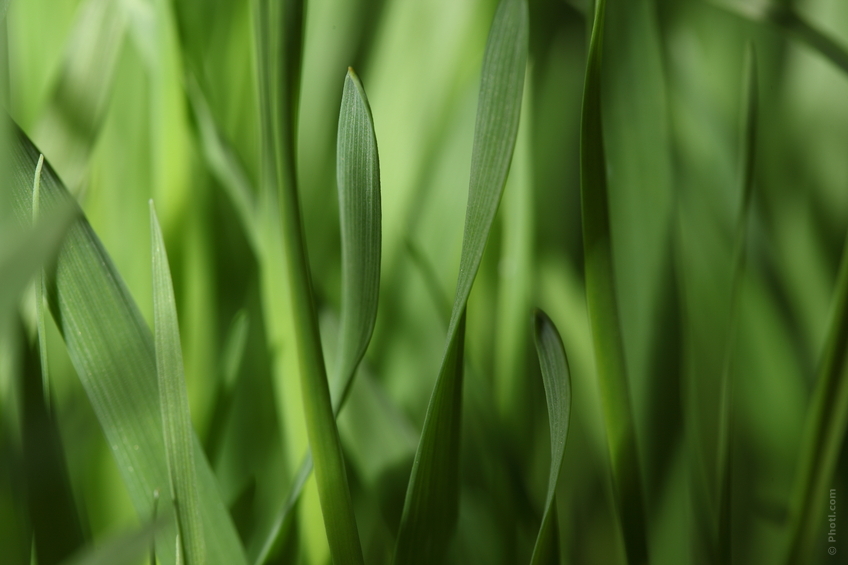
<point x="430" y="509"/>
<point x="557" y="381"/>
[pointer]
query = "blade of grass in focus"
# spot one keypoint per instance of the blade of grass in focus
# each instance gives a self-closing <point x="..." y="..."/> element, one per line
<point x="173" y="399"/>
<point x="432" y="498"/>
<point x="557" y="381"/>
<point x="113" y="353"/>
<point x="358" y="172"/>
<point x="725" y="425"/>
<point x="279" y="46"/>
<point x="603" y="310"/>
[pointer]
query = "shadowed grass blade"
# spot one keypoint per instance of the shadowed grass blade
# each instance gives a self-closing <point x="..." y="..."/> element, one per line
<point x="603" y="309"/>
<point x="113" y="353"/>
<point x="358" y="173"/>
<point x="122" y="549"/>
<point x="725" y="445"/>
<point x="173" y="399"/>
<point x="430" y="510"/>
<point x="557" y="380"/>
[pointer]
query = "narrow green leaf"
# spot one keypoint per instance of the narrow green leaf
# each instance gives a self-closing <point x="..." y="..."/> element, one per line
<point x="430" y="510"/>
<point x="39" y="287"/>
<point x="783" y="16"/>
<point x="603" y="309"/>
<point x="724" y="459"/>
<point x="173" y="399"/>
<point x="557" y="380"/>
<point x="113" y="353"/>
<point x="358" y="174"/>
<point x="279" y="52"/>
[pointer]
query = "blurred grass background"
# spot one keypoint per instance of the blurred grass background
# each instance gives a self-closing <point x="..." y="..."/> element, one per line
<point x="104" y="89"/>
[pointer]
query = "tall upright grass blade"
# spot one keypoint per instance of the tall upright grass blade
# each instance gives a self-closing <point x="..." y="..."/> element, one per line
<point x="827" y="419"/>
<point x="358" y="173"/>
<point x="603" y="310"/>
<point x="39" y="287"/>
<point x="173" y="400"/>
<point x="430" y="509"/>
<point x="113" y="353"/>
<point x="725" y="430"/>
<point x="280" y="45"/>
<point x="557" y="380"/>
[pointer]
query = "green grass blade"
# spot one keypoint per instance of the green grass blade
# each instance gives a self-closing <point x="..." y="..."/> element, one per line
<point x="358" y="171"/>
<point x="113" y="353"/>
<point x="557" y="381"/>
<point x="280" y="45"/>
<point x="358" y="174"/>
<point x="724" y="459"/>
<point x="603" y="309"/>
<point x="173" y="398"/>
<point x="430" y="510"/>
<point x="783" y="16"/>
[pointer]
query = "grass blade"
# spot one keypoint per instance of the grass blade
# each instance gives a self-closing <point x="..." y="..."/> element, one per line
<point x="603" y="309"/>
<point x="430" y="510"/>
<point x="725" y="426"/>
<point x="173" y="398"/>
<point x="122" y="549"/>
<point x="113" y="353"/>
<point x="279" y="55"/>
<point x="557" y="380"/>
<point x="358" y="171"/>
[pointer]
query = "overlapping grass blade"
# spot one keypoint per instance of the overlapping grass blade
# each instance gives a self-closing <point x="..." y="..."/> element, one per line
<point x="557" y="380"/>
<point x="430" y="509"/>
<point x="173" y="400"/>
<point x="279" y="46"/>
<point x="112" y="351"/>
<point x="725" y="429"/>
<point x="783" y="16"/>
<point x="603" y="309"/>
<point x="827" y="419"/>
<point x="358" y="172"/>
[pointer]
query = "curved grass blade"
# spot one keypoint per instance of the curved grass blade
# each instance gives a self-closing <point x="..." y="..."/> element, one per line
<point x="783" y="16"/>
<point x="724" y="459"/>
<point x="603" y="309"/>
<point x="113" y="353"/>
<point x="825" y="432"/>
<point x="430" y="509"/>
<point x="557" y="380"/>
<point x="173" y="399"/>
<point x="280" y="45"/>
<point x="358" y="173"/>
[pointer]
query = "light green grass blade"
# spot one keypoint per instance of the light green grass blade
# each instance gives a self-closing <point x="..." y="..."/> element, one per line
<point x="557" y="380"/>
<point x="173" y="399"/>
<point x="603" y="309"/>
<point x="279" y="46"/>
<point x="122" y="549"/>
<point x="783" y="16"/>
<point x="725" y="445"/>
<point x="358" y="172"/>
<point x="113" y="353"/>
<point x="430" y="510"/>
